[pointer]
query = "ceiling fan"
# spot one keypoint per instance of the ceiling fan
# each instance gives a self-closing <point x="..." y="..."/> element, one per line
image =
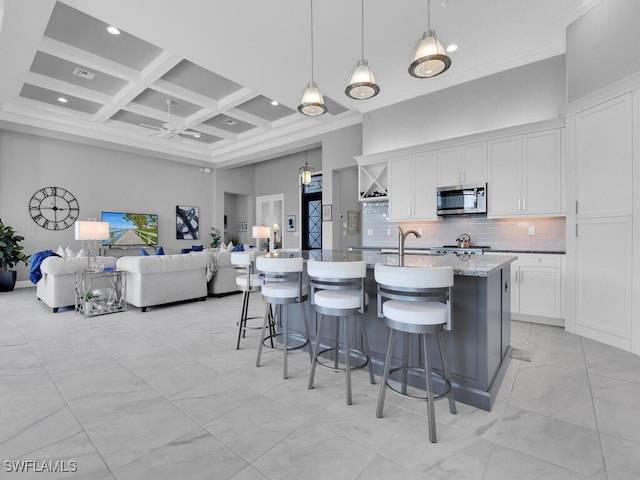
<point x="169" y="130"/>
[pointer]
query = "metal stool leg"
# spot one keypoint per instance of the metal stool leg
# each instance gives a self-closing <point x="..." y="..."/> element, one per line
<point x="285" y="338"/>
<point x="315" y="352"/>
<point x="307" y="331"/>
<point x="265" y="322"/>
<point x="365" y="341"/>
<point x="385" y="376"/>
<point x="430" y="406"/>
<point x="347" y="360"/>
<point x="447" y="375"/>
<point x="337" y="344"/>
<point x="242" y="324"/>
<point x="405" y="363"/>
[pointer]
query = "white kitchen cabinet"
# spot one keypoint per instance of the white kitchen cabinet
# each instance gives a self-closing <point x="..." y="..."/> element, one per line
<point x="462" y="164"/>
<point x="604" y="278"/>
<point x="372" y="182"/>
<point x="525" y="175"/>
<point x="604" y="142"/>
<point x="536" y="288"/>
<point x="412" y="187"/>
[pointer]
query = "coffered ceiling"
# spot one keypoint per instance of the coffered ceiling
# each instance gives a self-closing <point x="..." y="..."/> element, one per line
<point x="220" y="64"/>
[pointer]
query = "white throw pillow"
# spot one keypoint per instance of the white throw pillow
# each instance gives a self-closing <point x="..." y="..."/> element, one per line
<point x="230" y="246"/>
<point x="69" y="253"/>
<point x="60" y="251"/>
<point x="82" y="253"/>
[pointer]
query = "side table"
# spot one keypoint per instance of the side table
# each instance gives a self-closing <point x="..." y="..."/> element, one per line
<point x="99" y="293"/>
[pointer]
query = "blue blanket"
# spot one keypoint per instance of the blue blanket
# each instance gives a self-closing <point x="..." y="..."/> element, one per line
<point x="36" y="260"/>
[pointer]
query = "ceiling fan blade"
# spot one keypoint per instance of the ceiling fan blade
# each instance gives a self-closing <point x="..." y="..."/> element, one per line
<point x="160" y="129"/>
<point x="191" y="133"/>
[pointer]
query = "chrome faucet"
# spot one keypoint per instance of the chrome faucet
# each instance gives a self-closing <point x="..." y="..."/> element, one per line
<point x="402" y="236"/>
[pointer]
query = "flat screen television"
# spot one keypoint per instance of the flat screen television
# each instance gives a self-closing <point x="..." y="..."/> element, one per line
<point x="131" y="229"/>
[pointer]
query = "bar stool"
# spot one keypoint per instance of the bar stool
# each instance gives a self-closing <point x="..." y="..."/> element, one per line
<point x="416" y="300"/>
<point x="248" y="283"/>
<point x="337" y="290"/>
<point x="282" y="285"/>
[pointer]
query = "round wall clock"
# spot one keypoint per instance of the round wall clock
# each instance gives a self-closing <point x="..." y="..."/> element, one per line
<point x="54" y="208"/>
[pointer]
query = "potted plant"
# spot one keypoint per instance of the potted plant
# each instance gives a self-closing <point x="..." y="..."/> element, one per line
<point x="10" y="255"/>
<point x="215" y="237"/>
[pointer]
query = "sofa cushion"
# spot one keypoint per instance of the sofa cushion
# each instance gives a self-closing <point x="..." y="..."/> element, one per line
<point x="163" y="263"/>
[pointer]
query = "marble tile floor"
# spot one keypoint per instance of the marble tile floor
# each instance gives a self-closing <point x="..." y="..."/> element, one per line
<point x="165" y="395"/>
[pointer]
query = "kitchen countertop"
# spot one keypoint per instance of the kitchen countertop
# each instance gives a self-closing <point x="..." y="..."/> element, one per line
<point x="470" y="265"/>
<point x="491" y="250"/>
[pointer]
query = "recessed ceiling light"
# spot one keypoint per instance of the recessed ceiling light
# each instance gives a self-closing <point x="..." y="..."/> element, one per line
<point x="113" y="30"/>
<point x="274" y="103"/>
<point x="452" y="48"/>
<point x="62" y="100"/>
<point x="229" y="121"/>
<point x="196" y="134"/>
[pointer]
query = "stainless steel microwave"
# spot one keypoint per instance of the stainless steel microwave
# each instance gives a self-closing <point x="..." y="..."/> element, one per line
<point x="468" y="199"/>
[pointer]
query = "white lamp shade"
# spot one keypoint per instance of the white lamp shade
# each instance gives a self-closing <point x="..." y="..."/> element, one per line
<point x="429" y="57"/>
<point x="261" y="231"/>
<point x="276" y="227"/>
<point x="362" y="85"/>
<point x="87" y="230"/>
<point x="312" y="103"/>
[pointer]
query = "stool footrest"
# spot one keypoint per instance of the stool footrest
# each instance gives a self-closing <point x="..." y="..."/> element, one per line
<point x="391" y="383"/>
<point x="355" y="352"/>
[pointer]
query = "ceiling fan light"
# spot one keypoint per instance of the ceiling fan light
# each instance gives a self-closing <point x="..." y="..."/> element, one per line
<point x="429" y="57"/>
<point x="312" y="103"/>
<point x="362" y="84"/>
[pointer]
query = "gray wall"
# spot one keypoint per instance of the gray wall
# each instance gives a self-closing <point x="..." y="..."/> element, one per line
<point x="526" y="94"/>
<point x="603" y="47"/>
<point x="102" y="180"/>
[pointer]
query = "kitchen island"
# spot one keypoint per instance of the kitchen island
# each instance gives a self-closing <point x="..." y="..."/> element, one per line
<point x="478" y="346"/>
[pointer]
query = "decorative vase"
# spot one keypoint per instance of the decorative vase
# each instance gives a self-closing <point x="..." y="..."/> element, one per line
<point x="8" y="280"/>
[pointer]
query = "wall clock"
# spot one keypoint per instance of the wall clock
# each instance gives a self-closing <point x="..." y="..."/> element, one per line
<point x="54" y="208"/>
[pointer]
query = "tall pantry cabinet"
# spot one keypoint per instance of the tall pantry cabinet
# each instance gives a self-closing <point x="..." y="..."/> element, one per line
<point x="600" y="233"/>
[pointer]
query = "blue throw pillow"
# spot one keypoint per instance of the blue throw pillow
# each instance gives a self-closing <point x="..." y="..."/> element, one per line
<point x="196" y="248"/>
<point x="185" y="250"/>
<point x="238" y="248"/>
<point x="159" y="251"/>
<point x="143" y="253"/>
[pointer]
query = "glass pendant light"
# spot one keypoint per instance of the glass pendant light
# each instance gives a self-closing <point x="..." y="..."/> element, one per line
<point x="362" y="85"/>
<point x="312" y="103"/>
<point x="429" y="57"/>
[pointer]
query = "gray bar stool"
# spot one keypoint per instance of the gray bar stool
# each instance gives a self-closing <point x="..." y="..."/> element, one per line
<point x="249" y="282"/>
<point x="282" y="285"/>
<point x="416" y="300"/>
<point x="337" y="289"/>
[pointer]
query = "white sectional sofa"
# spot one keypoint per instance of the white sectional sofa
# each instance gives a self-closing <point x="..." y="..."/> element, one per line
<point x="57" y="286"/>
<point x="157" y="279"/>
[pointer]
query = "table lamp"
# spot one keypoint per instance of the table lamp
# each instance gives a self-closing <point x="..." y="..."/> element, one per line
<point x="92" y="231"/>
<point x="261" y="232"/>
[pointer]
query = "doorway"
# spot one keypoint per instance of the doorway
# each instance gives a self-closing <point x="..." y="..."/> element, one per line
<point x="311" y="227"/>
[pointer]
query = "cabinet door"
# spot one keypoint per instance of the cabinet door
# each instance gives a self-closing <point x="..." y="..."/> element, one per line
<point x="504" y="190"/>
<point x="425" y="183"/>
<point x="540" y="291"/>
<point x="542" y="175"/>
<point x="474" y="163"/>
<point x="401" y="196"/>
<point x="604" y="159"/>
<point x="449" y="171"/>
<point x="515" y="290"/>
<point x="604" y="251"/>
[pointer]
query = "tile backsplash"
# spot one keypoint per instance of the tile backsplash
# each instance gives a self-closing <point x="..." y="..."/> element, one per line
<point x="512" y="234"/>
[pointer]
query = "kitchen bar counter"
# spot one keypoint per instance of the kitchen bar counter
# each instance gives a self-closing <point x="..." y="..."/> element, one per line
<point x="478" y="346"/>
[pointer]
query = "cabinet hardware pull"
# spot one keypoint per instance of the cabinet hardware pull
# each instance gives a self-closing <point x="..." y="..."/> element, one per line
<point x="576" y="207"/>
<point x="518" y="204"/>
<point x="524" y="204"/>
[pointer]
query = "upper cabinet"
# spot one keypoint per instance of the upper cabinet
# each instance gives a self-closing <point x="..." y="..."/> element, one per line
<point x="372" y="181"/>
<point x="462" y="164"/>
<point x="525" y="175"/>
<point x="412" y="187"/>
<point x="604" y="142"/>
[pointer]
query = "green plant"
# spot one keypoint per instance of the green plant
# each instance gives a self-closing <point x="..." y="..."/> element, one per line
<point x="215" y="237"/>
<point x="10" y="250"/>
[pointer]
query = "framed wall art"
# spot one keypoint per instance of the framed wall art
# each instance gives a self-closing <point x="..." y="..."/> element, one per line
<point x="187" y="223"/>
<point x="291" y="223"/>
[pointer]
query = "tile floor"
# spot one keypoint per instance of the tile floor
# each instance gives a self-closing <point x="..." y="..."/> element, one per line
<point x="164" y="395"/>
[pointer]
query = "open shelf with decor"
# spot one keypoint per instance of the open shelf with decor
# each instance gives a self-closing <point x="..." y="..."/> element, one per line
<point x="372" y="182"/>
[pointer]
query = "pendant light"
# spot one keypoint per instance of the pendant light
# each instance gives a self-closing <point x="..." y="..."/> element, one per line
<point x="312" y="103"/>
<point x="305" y="173"/>
<point x="429" y="57"/>
<point x="362" y="85"/>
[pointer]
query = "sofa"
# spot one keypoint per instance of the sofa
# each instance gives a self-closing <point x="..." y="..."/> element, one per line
<point x="159" y="279"/>
<point x="223" y="278"/>
<point x="57" y="286"/>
